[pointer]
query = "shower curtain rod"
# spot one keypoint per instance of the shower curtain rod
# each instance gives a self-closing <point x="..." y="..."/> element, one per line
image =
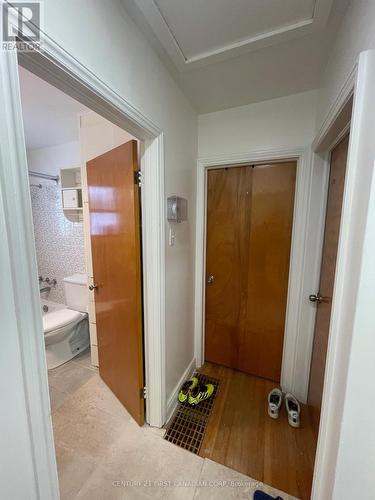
<point x="44" y="176"/>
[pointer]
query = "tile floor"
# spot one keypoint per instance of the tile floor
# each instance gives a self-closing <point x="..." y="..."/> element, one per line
<point x="66" y="379"/>
<point x="102" y="454"/>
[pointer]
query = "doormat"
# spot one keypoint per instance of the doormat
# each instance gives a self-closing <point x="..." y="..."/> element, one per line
<point x="188" y="424"/>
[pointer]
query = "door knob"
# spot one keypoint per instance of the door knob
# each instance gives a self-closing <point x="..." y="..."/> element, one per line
<point x="210" y="279"/>
<point x="93" y="287"/>
<point x="315" y="298"/>
<point x="318" y="298"/>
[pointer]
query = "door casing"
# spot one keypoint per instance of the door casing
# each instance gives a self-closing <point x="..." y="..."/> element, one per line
<point x="313" y="397"/>
<point x="303" y="260"/>
<point x="65" y="73"/>
<point x="60" y="69"/>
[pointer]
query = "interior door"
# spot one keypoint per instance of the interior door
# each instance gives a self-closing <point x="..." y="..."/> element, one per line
<point x="249" y="229"/>
<point x="327" y="275"/>
<point x="115" y="243"/>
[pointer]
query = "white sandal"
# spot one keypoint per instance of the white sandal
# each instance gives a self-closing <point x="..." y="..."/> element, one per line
<point x="293" y="409"/>
<point x="275" y="398"/>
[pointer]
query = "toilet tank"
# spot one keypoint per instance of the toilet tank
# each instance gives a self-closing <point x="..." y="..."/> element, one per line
<point x="76" y="294"/>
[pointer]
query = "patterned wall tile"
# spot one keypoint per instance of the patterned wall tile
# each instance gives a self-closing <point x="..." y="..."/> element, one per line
<point x="59" y="241"/>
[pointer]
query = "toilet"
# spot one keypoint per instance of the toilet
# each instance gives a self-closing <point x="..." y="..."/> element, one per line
<point x="66" y="331"/>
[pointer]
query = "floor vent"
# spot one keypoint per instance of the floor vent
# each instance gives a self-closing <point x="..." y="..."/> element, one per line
<point x="188" y="424"/>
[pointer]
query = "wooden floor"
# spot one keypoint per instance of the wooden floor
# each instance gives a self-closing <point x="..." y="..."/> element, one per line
<point x="241" y="435"/>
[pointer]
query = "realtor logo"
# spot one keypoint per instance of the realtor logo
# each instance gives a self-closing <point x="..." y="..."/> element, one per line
<point x="21" y="23"/>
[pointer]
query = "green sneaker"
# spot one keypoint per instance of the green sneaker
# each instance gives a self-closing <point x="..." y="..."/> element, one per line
<point x="186" y="388"/>
<point x="200" y="393"/>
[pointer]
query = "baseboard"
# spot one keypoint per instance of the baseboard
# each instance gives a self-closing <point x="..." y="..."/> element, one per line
<point x="172" y="400"/>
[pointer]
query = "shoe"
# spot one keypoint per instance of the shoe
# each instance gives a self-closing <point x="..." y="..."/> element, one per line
<point x="183" y="393"/>
<point x="200" y="393"/>
<point x="260" y="495"/>
<point x="275" y="398"/>
<point x="293" y="409"/>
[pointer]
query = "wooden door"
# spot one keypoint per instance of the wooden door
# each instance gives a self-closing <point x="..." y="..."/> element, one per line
<point x="327" y="275"/>
<point x="249" y="228"/>
<point x="115" y="243"/>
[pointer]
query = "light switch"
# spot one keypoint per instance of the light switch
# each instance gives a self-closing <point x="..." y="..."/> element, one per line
<point x="172" y="237"/>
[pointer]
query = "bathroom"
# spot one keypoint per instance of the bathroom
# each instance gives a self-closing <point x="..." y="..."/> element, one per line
<point x="51" y="123"/>
<point x="61" y="135"/>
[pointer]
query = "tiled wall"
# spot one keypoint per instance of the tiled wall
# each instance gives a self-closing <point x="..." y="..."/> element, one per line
<point x="59" y="241"/>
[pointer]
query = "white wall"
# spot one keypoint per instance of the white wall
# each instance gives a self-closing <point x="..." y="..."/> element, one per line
<point x="277" y="123"/>
<point x="16" y="452"/>
<point x="356" y="457"/>
<point x="356" y="34"/>
<point x="355" y="464"/>
<point x="50" y="160"/>
<point x="102" y="37"/>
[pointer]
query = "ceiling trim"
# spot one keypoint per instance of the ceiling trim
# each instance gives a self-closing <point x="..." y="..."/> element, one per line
<point x="164" y="33"/>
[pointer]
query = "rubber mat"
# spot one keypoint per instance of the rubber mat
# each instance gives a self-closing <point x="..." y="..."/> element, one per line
<point x="188" y="424"/>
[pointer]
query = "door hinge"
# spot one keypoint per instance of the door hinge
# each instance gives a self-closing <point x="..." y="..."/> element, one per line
<point x="138" y="178"/>
<point x="143" y="392"/>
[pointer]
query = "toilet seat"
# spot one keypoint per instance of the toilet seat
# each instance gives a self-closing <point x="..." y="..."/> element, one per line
<point x="59" y="319"/>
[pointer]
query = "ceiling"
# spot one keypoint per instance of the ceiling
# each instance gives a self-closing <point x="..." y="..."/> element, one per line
<point x="50" y="117"/>
<point x="226" y="53"/>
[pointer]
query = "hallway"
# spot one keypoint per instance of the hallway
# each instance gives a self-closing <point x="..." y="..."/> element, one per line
<point x="103" y="454"/>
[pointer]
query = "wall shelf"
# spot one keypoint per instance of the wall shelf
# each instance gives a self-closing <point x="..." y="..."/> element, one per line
<point x="71" y="193"/>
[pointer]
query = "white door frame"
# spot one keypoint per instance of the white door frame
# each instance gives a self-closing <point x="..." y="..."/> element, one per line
<point x="307" y="220"/>
<point x="59" y="68"/>
<point x="332" y="130"/>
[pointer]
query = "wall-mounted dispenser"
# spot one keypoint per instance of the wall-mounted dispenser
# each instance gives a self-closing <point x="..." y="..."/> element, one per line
<point x="176" y="209"/>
